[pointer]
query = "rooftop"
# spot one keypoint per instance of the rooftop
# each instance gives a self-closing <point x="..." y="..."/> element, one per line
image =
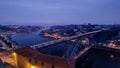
<point x="30" y="53"/>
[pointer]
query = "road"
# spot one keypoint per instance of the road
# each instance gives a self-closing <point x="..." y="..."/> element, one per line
<point x="4" y="46"/>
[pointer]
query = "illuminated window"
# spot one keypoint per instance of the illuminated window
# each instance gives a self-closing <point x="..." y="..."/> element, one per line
<point x="53" y="66"/>
<point x="42" y="64"/>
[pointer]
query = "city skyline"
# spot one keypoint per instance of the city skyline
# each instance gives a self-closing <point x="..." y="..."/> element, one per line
<point x="57" y="12"/>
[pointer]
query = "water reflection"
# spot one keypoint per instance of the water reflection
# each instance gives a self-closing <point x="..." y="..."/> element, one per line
<point x="27" y="39"/>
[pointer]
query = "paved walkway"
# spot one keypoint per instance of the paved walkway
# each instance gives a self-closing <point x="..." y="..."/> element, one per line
<point x="5" y="57"/>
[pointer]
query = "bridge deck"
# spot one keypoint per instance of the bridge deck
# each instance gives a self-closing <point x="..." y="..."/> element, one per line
<point x="62" y="40"/>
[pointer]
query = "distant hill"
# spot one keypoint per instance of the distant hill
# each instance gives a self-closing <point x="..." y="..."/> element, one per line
<point x="5" y="28"/>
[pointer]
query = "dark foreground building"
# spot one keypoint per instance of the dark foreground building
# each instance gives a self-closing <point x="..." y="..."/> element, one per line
<point x="1" y="64"/>
<point x="100" y="57"/>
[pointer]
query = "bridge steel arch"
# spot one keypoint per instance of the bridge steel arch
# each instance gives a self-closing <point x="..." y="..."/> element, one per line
<point x="72" y="50"/>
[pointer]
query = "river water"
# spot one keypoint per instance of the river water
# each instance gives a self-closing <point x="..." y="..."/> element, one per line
<point x="28" y="39"/>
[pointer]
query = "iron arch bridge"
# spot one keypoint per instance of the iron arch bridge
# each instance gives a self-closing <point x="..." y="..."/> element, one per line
<point x="66" y="49"/>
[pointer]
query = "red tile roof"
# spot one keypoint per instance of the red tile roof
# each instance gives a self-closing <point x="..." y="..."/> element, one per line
<point x="30" y="53"/>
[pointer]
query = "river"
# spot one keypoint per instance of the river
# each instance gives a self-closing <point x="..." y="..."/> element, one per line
<point x="28" y="39"/>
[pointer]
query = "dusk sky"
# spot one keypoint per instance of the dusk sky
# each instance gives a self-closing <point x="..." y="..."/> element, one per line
<point x="55" y="12"/>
